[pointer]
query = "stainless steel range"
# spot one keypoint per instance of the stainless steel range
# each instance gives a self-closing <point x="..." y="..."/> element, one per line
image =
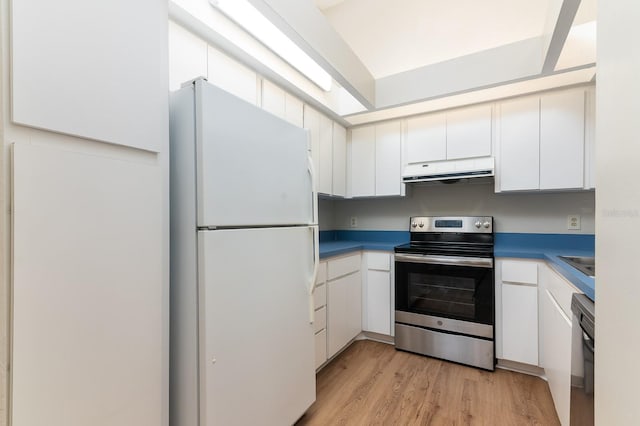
<point x="444" y="285"/>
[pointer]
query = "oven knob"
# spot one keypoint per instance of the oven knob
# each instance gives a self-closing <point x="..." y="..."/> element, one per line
<point x="421" y="225"/>
<point x="486" y="225"/>
<point x="478" y="224"/>
<point x="414" y="225"/>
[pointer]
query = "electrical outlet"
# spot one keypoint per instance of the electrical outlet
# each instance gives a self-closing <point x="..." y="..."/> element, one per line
<point x="573" y="222"/>
<point x="354" y="222"/>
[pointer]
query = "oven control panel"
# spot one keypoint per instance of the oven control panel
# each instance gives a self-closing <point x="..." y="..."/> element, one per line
<point x="472" y="224"/>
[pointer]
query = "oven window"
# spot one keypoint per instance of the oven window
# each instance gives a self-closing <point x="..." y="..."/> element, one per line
<point x="459" y="292"/>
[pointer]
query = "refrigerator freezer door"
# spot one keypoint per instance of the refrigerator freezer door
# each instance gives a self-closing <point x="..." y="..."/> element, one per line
<point x="256" y="343"/>
<point x="252" y="167"/>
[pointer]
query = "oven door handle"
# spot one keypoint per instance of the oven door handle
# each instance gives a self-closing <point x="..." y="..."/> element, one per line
<point x="476" y="262"/>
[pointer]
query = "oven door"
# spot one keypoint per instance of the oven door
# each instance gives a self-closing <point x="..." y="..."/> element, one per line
<point x="459" y="288"/>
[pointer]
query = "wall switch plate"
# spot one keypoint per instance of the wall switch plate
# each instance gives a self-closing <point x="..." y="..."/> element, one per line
<point x="573" y="222"/>
<point x="354" y="222"/>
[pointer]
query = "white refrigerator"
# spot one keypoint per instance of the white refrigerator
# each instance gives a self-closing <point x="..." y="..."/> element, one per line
<point x="244" y="255"/>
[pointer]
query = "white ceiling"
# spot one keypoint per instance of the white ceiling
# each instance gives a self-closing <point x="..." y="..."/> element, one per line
<point x="390" y="37"/>
<point x="391" y="54"/>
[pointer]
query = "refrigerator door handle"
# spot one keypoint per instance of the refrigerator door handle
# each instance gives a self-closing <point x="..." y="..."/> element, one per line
<point x="314" y="191"/>
<point x="315" y="233"/>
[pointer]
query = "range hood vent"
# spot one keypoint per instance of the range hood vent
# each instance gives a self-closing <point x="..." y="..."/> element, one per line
<point x="447" y="170"/>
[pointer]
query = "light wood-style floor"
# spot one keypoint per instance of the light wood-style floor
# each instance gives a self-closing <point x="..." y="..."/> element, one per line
<point x="371" y="383"/>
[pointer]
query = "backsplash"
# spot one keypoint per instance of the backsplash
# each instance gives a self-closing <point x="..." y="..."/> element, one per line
<point x="512" y="212"/>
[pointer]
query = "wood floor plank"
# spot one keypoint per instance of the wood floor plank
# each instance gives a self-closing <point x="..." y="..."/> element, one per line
<point x="371" y="383"/>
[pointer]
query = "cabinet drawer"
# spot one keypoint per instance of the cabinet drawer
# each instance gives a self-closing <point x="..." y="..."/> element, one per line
<point x="321" y="348"/>
<point x="379" y="261"/>
<point x="514" y="271"/>
<point x="343" y="266"/>
<point x="320" y="322"/>
<point x="320" y="296"/>
<point x="322" y="273"/>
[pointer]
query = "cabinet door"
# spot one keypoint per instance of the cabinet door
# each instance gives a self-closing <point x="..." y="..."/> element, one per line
<point x="519" y="160"/>
<point x="562" y="140"/>
<point x="312" y="124"/>
<point x="388" y="161"/>
<point x="339" y="160"/>
<point x="293" y="110"/>
<point x="363" y="162"/>
<point x="557" y="354"/>
<point x="232" y="76"/>
<point x="520" y="323"/>
<point x="344" y="311"/>
<point x="187" y="56"/>
<point x="337" y="315"/>
<point x="325" y="173"/>
<point x="273" y="99"/>
<point x="469" y="132"/>
<point x="427" y="138"/>
<point x="354" y="306"/>
<point x="378" y="302"/>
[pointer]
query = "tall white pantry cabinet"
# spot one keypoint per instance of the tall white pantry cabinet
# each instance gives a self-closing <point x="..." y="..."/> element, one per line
<point x="89" y="213"/>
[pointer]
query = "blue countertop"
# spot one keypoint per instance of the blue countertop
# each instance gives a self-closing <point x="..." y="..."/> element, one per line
<point x="548" y="247"/>
<point x="333" y="243"/>
<point x="515" y="245"/>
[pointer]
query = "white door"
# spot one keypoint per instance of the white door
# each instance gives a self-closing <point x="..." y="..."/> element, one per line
<point x="387" y="171"/>
<point x="89" y="336"/>
<point x="427" y="138"/>
<point x="519" y="160"/>
<point x="469" y="132"/>
<point x="562" y="140"/>
<point x="252" y="167"/>
<point x="363" y="162"/>
<point x="257" y="354"/>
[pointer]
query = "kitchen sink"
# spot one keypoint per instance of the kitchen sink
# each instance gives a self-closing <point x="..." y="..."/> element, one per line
<point x="584" y="264"/>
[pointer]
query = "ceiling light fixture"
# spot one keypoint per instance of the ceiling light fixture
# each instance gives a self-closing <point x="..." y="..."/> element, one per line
<point x="256" y="24"/>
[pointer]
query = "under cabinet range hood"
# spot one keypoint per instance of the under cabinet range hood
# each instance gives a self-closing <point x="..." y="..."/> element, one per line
<point x="448" y="170"/>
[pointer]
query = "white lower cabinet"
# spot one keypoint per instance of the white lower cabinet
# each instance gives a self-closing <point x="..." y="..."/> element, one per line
<point x="557" y="354"/>
<point x="376" y="291"/>
<point x="320" y="317"/>
<point x="517" y="310"/>
<point x="555" y="336"/>
<point x="520" y="323"/>
<point x="344" y="314"/>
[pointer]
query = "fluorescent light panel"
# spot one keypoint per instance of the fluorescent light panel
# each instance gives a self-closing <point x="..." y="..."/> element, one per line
<point x="255" y="23"/>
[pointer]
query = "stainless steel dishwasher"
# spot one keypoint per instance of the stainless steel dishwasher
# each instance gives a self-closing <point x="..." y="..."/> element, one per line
<point x="582" y="351"/>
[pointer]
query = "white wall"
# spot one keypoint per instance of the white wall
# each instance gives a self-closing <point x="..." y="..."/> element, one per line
<point x="617" y="373"/>
<point x="115" y="76"/>
<point x="531" y="212"/>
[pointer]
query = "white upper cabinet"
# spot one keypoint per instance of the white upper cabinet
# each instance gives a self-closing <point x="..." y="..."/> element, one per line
<point x="273" y="99"/>
<point x="232" y="76"/>
<point x="469" y="132"/>
<point x="542" y="143"/>
<point x="375" y="160"/>
<point x="363" y="162"/>
<point x="293" y="112"/>
<point x="562" y="140"/>
<point x="93" y="70"/>
<point x="339" y="160"/>
<point x="325" y="173"/>
<point x="427" y="138"/>
<point x="312" y="124"/>
<point x="328" y="151"/>
<point x="281" y="103"/>
<point x="388" y="159"/>
<point x="187" y="56"/>
<point x="462" y="133"/>
<point x="519" y="130"/>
